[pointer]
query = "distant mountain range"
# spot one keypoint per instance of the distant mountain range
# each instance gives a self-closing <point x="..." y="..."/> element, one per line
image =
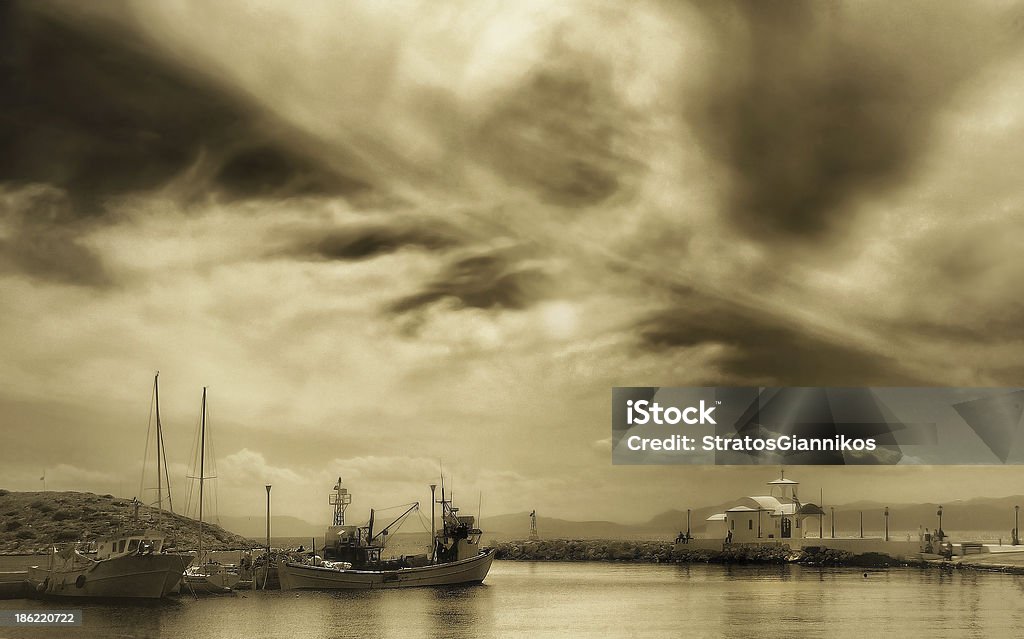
<point x="982" y="514"/>
<point x="280" y="526"/>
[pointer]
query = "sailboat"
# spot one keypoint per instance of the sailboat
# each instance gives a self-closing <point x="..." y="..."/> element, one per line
<point x="207" y="576"/>
<point x="352" y="555"/>
<point x="132" y="565"/>
<point x="162" y="476"/>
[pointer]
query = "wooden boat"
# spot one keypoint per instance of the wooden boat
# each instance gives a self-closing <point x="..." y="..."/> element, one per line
<point x="132" y="566"/>
<point x="352" y="555"/>
<point x="298" y="576"/>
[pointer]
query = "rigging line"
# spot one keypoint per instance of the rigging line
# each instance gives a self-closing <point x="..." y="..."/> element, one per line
<point x="398" y="506"/>
<point x="194" y="456"/>
<point x="167" y="477"/>
<point x="145" y="451"/>
<point x="212" y="457"/>
<point x="423" y="521"/>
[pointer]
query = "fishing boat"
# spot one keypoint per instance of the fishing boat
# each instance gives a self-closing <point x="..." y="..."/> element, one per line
<point x="208" y="576"/>
<point x="132" y="566"/>
<point x="352" y="555"/>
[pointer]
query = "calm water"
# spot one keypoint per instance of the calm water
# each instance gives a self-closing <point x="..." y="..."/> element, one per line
<point x="591" y="599"/>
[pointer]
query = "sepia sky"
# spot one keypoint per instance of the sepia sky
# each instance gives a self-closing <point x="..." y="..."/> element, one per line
<point x="392" y="235"/>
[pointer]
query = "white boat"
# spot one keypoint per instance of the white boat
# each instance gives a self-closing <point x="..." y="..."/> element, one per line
<point x="132" y="566"/>
<point x="352" y="555"/>
<point x="298" y="576"/>
<point x="213" y="578"/>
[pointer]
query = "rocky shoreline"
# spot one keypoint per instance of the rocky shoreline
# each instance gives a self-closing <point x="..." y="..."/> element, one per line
<point x="30" y="522"/>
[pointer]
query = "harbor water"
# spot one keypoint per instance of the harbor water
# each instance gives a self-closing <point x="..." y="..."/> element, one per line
<point x="553" y="599"/>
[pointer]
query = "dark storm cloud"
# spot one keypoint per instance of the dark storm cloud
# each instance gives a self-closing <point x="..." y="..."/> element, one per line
<point x="42" y="239"/>
<point x="556" y="133"/>
<point x="761" y="349"/>
<point x="494" y="280"/>
<point x="366" y="242"/>
<point x="813" y="106"/>
<point x="90" y="111"/>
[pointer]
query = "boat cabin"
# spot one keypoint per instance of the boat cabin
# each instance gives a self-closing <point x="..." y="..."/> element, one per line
<point x="350" y="544"/>
<point x="129" y="545"/>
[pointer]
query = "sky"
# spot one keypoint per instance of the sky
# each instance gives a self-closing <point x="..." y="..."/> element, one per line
<point x="391" y="238"/>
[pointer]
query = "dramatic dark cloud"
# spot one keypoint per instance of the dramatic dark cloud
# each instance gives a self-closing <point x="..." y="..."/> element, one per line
<point x="90" y="111"/>
<point x="760" y="349"/>
<point x="558" y="133"/>
<point x="494" y="280"/>
<point x="366" y="242"/>
<point x="42" y="238"/>
<point x="813" y="106"/>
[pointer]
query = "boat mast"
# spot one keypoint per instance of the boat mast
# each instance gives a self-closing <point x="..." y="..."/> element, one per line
<point x="202" y="471"/>
<point x="161" y="450"/>
<point x="159" y="433"/>
<point x="433" y="526"/>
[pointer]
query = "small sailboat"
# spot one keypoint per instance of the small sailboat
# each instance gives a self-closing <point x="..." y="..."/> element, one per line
<point x="163" y="482"/>
<point x="132" y="565"/>
<point x="207" y="576"/>
<point x="352" y="555"/>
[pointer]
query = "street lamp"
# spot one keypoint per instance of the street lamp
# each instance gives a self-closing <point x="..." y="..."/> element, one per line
<point x="833" y="509"/>
<point x="941" y="534"/>
<point x="268" y="524"/>
<point x="1016" y="525"/>
<point x="887" y="523"/>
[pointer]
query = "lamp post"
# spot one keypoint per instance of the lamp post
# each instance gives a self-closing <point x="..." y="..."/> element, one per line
<point x="1016" y="525"/>
<point x="862" y="524"/>
<point x="687" y="524"/>
<point x="833" y="509"/>
<point x="941" y="534"/>
<point x="268" y="524"/>
<point x="887" y="523"/>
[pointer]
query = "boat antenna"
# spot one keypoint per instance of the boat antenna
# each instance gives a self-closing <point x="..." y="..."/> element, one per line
<point x="433" y="527"/>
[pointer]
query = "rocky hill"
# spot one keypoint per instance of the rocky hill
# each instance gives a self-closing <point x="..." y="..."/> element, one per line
<point x="30" y="522"/>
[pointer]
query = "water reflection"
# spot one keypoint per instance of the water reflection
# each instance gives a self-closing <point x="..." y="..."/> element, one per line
<point x="594" y="599"/>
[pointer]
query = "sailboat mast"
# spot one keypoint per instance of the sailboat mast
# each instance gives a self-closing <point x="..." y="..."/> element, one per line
<point x="159" y="437"/>
<point x="167" y="478"/>
<point x="202" y="470"/>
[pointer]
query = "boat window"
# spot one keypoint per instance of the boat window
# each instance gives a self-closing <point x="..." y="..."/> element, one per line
<point x="133" y="545"/>
<point x="120" y="546"/>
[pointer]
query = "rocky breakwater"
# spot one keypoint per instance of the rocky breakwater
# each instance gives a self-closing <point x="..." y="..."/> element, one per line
<point x="656" y="552"/>
<point x="586" y="550"/>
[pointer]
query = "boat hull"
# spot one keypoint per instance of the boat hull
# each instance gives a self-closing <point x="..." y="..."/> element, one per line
<point x="211" y="582"/>
<point x="135" y="577"/>
<point x="295" y="576"/>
